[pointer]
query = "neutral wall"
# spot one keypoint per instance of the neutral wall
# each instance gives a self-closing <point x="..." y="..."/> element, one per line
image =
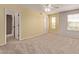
<point x="2" y="27"/>
<point x="62" y="28"/>
<point x="32" y="22"/>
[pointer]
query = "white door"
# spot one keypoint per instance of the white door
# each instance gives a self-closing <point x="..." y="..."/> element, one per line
<point x="17" y="25"/>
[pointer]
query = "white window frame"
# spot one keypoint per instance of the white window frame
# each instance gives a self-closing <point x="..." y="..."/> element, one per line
<point x="73" y="29"/>
<point x="52" y="22"/>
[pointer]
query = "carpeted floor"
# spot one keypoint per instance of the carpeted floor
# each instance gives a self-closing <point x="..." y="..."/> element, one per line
<point x="44" y="44"/>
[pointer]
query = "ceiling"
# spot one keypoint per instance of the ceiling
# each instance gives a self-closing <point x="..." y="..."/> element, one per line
<point x="61" y="7"/>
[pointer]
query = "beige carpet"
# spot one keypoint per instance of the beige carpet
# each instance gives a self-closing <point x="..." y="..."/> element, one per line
<point x="44" y="44"/>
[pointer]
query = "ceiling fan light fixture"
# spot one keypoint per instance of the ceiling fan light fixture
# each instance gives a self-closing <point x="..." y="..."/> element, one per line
<point x="47" y="9"/>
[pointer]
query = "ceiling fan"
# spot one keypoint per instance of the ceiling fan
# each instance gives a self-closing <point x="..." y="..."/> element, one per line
<point x="49" y="7"/>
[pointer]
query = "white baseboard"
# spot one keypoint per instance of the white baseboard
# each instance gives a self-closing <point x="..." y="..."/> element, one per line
<point x="2" y="44"/>
<point x="34" y="36"/>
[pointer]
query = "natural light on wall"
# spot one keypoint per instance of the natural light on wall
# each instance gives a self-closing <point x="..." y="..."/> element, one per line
<point x="53" y="22"/>
<point x="73" y="22"/>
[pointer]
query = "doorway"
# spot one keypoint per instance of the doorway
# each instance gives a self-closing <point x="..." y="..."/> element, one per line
<point x="9" y="25"/>
<point x="12" y="30"/>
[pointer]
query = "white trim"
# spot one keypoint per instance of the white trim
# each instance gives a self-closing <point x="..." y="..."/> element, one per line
<point x="9" y="35"/>
<point x="20" y="17"/>
<point x="46" y="25"/>
<point x="33" y="36"/>
<point x="5" y="25"/>
<point x="10" y="12"/>
<point x="3" y="44"/>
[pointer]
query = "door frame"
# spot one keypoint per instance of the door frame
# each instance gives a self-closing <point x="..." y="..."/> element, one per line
<point x="19" y="21"/>
<point x="5" y="12"/>
<point x="46" y="24"/>
<point x="9" y="13"/>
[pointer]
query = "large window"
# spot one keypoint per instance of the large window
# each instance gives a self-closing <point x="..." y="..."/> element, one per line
<point x="53" y="22"/>
<point x="73" y="22"/>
